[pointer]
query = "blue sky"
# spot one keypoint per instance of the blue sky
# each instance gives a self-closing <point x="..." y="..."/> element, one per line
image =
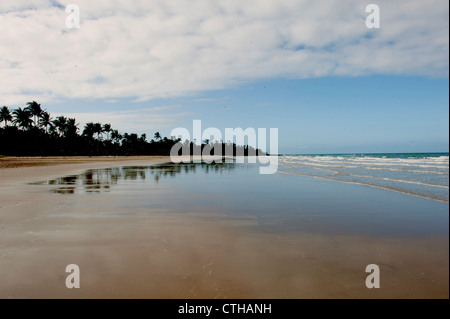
<point x="311" y="69"/>
<point x="326" y="115"/>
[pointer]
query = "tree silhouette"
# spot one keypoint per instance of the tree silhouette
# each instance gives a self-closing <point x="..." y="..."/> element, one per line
<point x="71" y="128"/>
<point x="107" y="129"/>
<point x="98" y="129"/>
<point x="5" y="115"/>
<point x="22" y="118"/>
<point x="35" y="110"/>
<point x="116" y="136"/>
<point x="60" y="123"/>
<point x="46" y="137"/>
<point x="45" y="120"/>
<point x="88" y="130"/>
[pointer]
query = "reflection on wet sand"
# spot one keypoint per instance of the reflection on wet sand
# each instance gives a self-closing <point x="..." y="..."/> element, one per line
<point x="101" y="180"/>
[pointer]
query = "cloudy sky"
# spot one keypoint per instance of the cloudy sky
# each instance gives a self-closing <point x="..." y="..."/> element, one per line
<point x="310" y="68"/>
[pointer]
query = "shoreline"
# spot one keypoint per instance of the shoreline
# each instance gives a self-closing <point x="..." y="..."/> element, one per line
<point x="367" y="185"/>
<point x="27" y="169"/>
<point x="37" y="161"/>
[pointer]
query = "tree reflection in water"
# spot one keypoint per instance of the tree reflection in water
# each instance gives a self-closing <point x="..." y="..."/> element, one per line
<point x="101" y="180"/>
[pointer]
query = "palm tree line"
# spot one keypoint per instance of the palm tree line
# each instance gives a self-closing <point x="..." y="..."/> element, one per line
<point x="32" y="122"/>
<point x="33" y="116"/>
<point x="33" y="132"/>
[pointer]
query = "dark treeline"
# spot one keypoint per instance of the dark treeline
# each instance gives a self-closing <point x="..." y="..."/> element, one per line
<point x="31" y="131"/>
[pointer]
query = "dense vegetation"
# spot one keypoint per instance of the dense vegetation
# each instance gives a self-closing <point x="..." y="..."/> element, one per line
<point x="31" y="131"/>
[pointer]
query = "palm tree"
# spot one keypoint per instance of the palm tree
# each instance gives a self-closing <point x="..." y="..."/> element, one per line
<point x="52" y="129"/>
<point x="157" y="136"/>
<point x="35" y="109"/>
<point x="89" y="130"/>
<point x="107" y="129"/>
<point x="22" y="117"/>
<point x="5" y="115"/>
<point x="116" y="136"/>
<point x="98" y="129"/>
<point x="45" y="120"/>
<point x="60" y="123"/>
<point x="71" y="128"/>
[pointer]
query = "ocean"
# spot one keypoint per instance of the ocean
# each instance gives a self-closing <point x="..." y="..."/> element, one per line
<point x="419" y="174"/>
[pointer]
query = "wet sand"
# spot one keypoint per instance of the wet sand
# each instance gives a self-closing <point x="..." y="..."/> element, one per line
<point x="194" y="255"/>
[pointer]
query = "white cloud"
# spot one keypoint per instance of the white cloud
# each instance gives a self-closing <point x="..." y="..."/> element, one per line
<point x="149" y="49"/>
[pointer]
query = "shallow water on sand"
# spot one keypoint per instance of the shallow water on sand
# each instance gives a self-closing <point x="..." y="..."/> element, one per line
<point x="224" y="231"/>
<point x="277" y="202"/>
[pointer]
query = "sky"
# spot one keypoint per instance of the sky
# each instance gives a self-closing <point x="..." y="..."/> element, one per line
<point x="312" y="69"/>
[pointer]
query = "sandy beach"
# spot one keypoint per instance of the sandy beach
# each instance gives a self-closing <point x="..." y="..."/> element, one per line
<point x="195" y="254"/>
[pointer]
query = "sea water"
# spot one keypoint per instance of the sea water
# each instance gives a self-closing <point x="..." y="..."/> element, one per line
<point x="419" y="174"/>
